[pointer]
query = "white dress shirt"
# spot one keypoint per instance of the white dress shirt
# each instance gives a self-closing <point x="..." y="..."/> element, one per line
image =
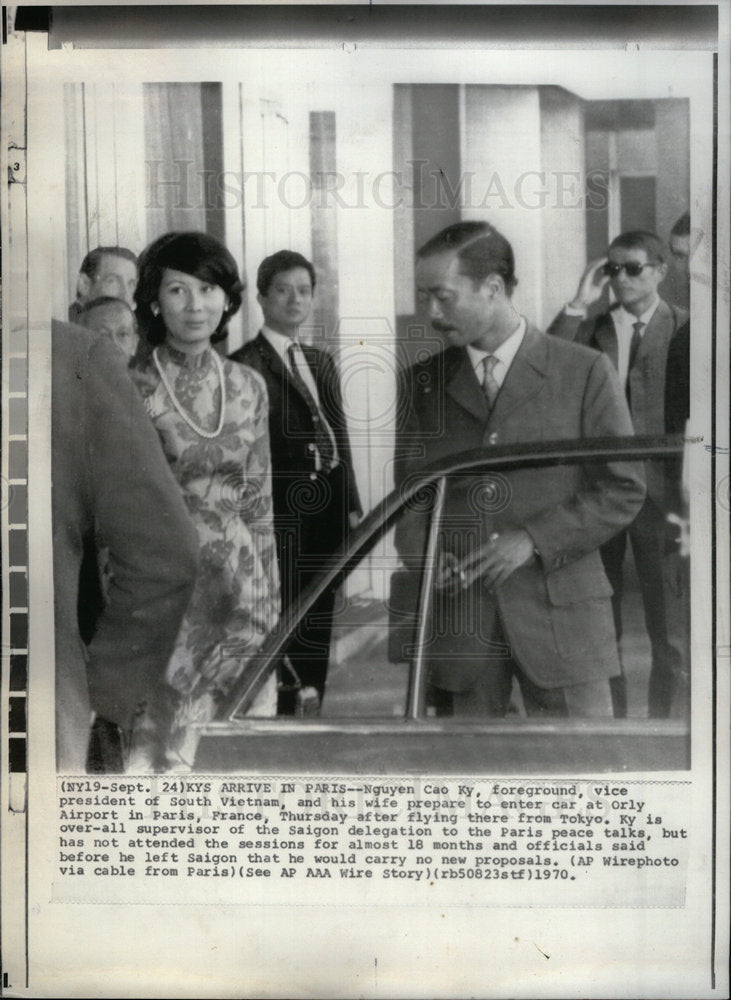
<point x="624" y="328"/>
<point x="504" y="355"/>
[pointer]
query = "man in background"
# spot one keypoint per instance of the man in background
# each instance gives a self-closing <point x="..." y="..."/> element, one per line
<point x="108" y="271"/>
<point x="679" y="242"/>
<point x="677" y="380"/>
<point x="635" y="333"/>
<point x="111" y="478"/>
<point x="314" y="494"/>
<point x="113" y="318"/>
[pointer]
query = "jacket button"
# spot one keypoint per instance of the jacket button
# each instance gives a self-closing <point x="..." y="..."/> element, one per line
<point x="492" y="439"/>
<point x="313" y="475"/>
<point x="310" y="447"/>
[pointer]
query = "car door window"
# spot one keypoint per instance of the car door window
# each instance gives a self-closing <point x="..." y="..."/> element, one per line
<point x="373" y="626"/>
<point x="373" y="614"/>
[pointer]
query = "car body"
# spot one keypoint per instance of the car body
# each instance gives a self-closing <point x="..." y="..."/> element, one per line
<point x="375" y="718"/>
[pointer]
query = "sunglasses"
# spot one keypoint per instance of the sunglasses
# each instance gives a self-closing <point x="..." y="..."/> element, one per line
<point x="633" y="269"/>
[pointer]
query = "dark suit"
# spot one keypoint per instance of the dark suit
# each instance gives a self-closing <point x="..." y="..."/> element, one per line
<point x="677" y="409"/>
<point x="677" y="381"/>
<point x="311" y="508"/>
<point x="646" y="385"/>
<point x="555" y="610"/>
<point x="111" y="477"/>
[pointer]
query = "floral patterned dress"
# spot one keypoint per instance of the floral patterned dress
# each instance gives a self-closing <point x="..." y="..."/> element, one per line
<point x="226" y="482"/>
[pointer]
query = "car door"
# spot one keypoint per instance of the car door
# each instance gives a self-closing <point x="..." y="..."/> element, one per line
<point x="389" y="621"/>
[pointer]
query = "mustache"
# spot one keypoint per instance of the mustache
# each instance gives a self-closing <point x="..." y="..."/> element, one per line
<point x="441" y="327"/>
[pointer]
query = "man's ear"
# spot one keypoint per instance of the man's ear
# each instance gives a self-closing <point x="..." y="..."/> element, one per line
<point x="83" y="286"/>
<point x="494" y="285"/>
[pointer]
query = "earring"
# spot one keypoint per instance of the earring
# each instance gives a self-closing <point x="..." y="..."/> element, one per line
<point x="155" y="309"/>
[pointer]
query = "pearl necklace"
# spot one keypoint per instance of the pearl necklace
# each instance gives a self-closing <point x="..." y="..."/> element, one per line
<point x="174" y="399"/>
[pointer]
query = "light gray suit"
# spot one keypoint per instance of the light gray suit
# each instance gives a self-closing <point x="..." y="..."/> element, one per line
<point x="647" y="377"/>
<point x="646" y="385"/>
<point x="555" y="610"/>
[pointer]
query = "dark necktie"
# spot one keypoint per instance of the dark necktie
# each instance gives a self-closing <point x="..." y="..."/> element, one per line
<point x="634" y="346"/>
<point x="323" y="440"/>
<point x="489" y="383"/>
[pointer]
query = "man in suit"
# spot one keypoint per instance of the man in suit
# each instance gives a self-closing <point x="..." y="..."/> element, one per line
<point x="677" y="414"/>
<point x="315" y="499"/>
<point x="677" y="375"/>
<point x="521" y="588"/>
<point x="635" y="334"/>
<point x="679" y="242"/>
<point x="108" y="271"/>
<point x="110" y="476"/>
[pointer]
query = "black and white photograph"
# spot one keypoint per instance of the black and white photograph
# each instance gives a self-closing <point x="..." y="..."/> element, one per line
<point x="365" y="479"/>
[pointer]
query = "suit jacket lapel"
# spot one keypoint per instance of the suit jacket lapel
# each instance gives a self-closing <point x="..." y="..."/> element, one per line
<point x="463" y="387"/>
<point x="658" y="332"/>
<point x="271" y="358"/>
<point x="525" y="376"/>
<point x="278" y="367"/>
<point x="606" y="338"/>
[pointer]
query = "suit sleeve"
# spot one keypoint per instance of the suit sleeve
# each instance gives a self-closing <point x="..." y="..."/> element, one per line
<point x="610" y="494"/>
<point x="569" y="327"/>
<point x="153" y="546"/>
<point x="333" y="404"/>
<point x="412" y="526"/>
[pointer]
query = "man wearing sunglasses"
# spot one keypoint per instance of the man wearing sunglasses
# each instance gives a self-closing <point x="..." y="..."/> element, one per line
<point x="635" y="333"/>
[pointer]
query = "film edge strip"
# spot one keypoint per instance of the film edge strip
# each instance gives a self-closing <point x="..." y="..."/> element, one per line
<point x="14" y="510"/>
<point x="15" y="499"/>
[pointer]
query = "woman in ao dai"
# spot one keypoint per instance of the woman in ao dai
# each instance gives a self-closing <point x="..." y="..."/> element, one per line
<point x="212" y="418"/>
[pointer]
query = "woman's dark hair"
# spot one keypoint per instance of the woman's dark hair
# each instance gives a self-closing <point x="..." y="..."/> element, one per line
<point x="203" y="257"/>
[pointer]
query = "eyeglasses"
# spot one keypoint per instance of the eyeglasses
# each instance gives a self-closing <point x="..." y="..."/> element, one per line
<point x="633" y="268"/>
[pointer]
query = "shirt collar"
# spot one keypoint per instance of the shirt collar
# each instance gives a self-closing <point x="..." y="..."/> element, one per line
<point x="505" y="352"/>
<point x="279" y="341"/>
<point x="628" y="320"/>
